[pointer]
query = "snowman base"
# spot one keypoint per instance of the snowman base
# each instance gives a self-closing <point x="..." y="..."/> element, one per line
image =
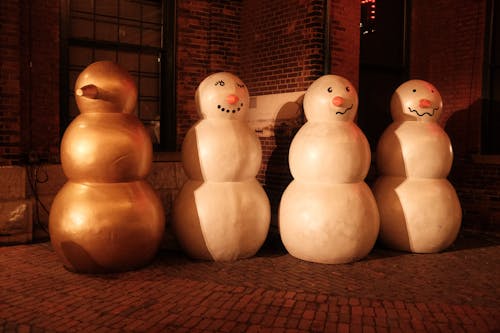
<point x="106" y="227"/>
<point x="419" y="215"/>
<point x="221" y="221"/>
<point x="328" y="223"/>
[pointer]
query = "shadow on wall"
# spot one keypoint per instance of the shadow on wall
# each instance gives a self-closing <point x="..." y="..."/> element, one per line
<point x="464" y="129"/>
<point x="475" y="172"/>
<point x="288" y="121"/>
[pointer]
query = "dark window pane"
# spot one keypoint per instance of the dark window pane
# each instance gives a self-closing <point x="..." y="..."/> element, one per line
<point x="149" y="63"/>
<point x="82" y="28"/>
<point x="108" y="7"/>
<point x="130" y="9"/>
<point x="82" y="5"/>
<point x="130" y="33"/>
<point x="106" y="31"/>
<point x="129" y="60"/>
<point x="80" y="56"/>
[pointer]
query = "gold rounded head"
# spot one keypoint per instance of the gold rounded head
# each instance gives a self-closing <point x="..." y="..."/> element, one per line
<point x="105" y="86"/>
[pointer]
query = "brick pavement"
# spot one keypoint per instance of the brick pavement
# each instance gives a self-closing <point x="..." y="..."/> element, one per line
<point x="454" y="291"/>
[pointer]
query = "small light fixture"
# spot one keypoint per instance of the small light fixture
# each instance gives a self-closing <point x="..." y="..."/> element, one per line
<point x="368" y="16"/>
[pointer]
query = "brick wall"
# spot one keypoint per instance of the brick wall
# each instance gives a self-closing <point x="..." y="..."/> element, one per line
<point x="447" y="43"/>
<point x="477" y="181"/>
<point x="207" y="42"/>
<point x="281" y="44"/>
<point x="282" y="47"/>
<point x="10" y="82"/>
<point x="29" y="82"/>
<point x="41" y="78"/>
<point x="447" y="40"/>
<point x="345" y="16"/>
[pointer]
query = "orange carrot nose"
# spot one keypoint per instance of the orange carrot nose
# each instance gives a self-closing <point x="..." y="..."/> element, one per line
<point x="232" y="99"/>
<point x="424" y="103"/>
<point x="337" y="101"/>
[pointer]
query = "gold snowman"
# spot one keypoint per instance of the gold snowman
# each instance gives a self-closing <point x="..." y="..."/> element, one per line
<point x="107" y="217"/>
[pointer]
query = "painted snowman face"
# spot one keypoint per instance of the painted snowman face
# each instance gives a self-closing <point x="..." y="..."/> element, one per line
<point x="416" y="100"/>
<point x="331" y="97"/>
<point x="104" y="86"/>
<point x="222" y="96"/>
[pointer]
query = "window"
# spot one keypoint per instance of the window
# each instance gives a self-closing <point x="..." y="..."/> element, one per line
<point x="490" y="134"/>
<point x="137" y="34"/>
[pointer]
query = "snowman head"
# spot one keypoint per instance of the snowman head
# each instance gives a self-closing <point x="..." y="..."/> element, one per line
<point x="331" y="98"/>
<point x="222" y="96"/>
<point x="104" y="86"/>
<point x="416" y="100"/>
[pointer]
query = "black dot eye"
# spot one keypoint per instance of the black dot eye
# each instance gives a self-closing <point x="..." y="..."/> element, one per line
<point x="347" y="89"/>
<point x="330" y="89"/>
<point x="414" y="90"/>
<point x="240" y="85"/>
<point x="220" y="83"/>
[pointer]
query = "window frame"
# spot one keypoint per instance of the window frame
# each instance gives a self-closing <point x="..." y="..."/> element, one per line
<point x="167" y="86"/>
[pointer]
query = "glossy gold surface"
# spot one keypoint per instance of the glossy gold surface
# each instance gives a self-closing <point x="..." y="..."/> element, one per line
<point x="106" y="218"/>
<point x="105" y="87"/>
<point x="100" y="227"/>
<point x="106" y="147"/>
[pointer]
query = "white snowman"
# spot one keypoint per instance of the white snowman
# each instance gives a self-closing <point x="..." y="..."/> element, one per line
<point x="222" y="212"/>
<point x="327" y="213"/>
<point x="419" y="208"/>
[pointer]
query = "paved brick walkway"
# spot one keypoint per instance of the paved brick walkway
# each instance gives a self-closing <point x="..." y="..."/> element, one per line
<point x="454" y="291"/>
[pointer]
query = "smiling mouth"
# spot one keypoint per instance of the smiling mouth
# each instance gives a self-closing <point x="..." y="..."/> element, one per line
<point x="425" y="113"/>
<point x="339" y="112"/>
<point x="228" y="110"/>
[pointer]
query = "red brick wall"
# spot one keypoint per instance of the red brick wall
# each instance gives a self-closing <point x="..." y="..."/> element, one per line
<point x="43" y="84"/>
<point x="281" y="44"/>
<point x="478" y="187"/>
<point x="282" y="49"/>
<point x="208" y="34"/>
<point x="345" y="16"/>
<point x="447" y="44"/>
<point x="10" y="82"/>
<point x="29" y="83"/>
<point x="447" y="41"/>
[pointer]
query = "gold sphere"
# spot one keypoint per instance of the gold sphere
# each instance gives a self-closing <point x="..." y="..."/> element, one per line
<point x="104" y="86"/>
<point x="106" y="227"/>
<point x="106" y="147"/>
